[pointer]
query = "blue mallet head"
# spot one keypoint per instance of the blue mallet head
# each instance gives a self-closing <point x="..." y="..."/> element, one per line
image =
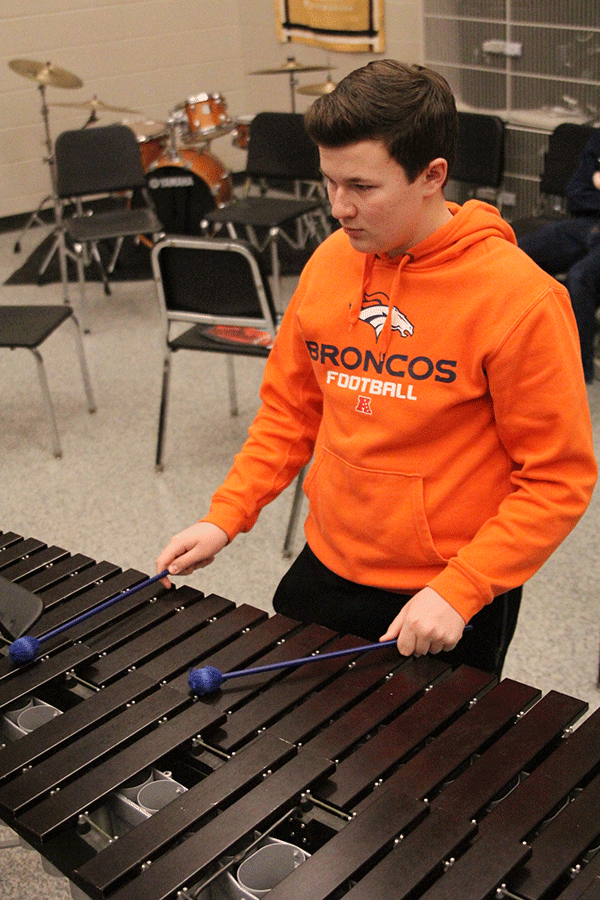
<point x="24" y="649"/>
<point x="206" y="680"/>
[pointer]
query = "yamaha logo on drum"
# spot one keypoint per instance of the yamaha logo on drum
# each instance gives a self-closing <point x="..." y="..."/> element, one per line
<point x="170" y="181"/>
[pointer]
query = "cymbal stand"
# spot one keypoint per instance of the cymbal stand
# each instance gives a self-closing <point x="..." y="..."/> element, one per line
<point x="293" y="83"/>
<point x="53" y="197"/>
<point x="35" y="216"/>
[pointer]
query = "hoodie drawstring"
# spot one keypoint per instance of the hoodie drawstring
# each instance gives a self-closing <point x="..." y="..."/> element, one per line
<point x="356" y="304"/>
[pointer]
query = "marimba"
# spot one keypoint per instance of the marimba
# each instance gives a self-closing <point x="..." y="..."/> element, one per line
<point x="370" y="778"/>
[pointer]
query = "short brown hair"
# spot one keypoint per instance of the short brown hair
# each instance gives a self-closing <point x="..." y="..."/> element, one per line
<point x="409" y="108"/>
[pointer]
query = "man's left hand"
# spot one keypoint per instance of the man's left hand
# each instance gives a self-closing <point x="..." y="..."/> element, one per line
<point x="426" y="624"/>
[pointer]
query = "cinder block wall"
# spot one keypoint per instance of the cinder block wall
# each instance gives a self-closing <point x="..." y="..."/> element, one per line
<point x="150" y="56"/>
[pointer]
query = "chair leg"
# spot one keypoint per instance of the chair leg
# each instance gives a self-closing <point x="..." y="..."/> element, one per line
<point x="85" y="373"/>
<point x="82" y="292"/>
<point x="48" y="401"/>
<point x="162" y="415"/>
<point x="113" y="260"/>
<point x="233" y="402"/>
<point x="95" y="254"/>
<point x="295" y="512"/>
<point x="62" y="262"/>
<point x="273" y="239"/>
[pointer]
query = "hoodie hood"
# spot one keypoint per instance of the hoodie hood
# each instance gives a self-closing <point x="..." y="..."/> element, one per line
<point x="471" y="223"/>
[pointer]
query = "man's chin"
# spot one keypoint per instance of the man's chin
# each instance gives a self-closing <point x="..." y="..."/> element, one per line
<point x="359" y="240"/>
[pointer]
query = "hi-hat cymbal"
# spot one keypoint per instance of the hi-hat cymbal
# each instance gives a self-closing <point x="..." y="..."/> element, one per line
<point x="291" y="65"/>
<point x="45" y="73"/>
<point x="95" y="105"/>
<point x="317" y="90"/>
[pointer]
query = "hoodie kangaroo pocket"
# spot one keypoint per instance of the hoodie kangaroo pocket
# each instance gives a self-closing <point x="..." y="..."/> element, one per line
<point x="376" y="517"/>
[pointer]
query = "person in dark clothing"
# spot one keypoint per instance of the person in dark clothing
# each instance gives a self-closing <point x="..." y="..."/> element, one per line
<point x="572" y="245"/>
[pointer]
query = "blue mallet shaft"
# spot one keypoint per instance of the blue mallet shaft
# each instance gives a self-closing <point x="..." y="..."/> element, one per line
<point x="25" y="648"/>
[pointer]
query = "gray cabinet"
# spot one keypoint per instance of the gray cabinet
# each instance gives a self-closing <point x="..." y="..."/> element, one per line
<point x="535" y="63"/>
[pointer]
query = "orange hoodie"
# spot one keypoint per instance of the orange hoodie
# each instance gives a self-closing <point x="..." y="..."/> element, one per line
<point x="451" y="437"/>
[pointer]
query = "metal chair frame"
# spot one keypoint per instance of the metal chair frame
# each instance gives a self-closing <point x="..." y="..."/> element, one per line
<point x="27" y="327"/>
<point x="103" y="161"/>
<point x="199" y="290"/>
<point x="280" y="154"/>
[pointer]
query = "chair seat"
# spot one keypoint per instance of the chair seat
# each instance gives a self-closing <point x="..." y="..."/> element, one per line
<point x="267" y="212"/>
<point x="29" y="326"/>
<point x="116" y="223"/>
<point x="199" y="338"/>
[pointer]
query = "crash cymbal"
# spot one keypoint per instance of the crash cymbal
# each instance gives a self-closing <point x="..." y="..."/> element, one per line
<point x="291" y="65"/>
<point x="45" y="73"/>
<point x="317" y="90"/>
<point x="95" y="105"/>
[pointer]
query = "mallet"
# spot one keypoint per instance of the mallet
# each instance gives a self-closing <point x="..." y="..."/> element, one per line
<point x="209" y="679"/>
<point x="25" y="649"/>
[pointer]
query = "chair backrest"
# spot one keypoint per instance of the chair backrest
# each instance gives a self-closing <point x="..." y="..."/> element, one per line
<point x="480" y="150"/>
<point x="565" y="145"/>
<point x="98" y="160"/>
<point x="217" y="281"/>
<point x="279" y="147"/>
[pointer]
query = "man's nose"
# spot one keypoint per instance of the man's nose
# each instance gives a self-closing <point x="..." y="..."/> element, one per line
<point x="341" y="206"/>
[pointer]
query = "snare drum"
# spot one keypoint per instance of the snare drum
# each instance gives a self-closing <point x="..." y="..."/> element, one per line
<point x="207" y="114"/>
<point x="151" y="137"/>
<point x="185" y="185"/>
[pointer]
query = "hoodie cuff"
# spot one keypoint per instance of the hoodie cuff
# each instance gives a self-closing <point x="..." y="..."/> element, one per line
<point x="457" y="589"/>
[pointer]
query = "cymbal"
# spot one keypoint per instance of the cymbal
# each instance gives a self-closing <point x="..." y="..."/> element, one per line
<point x="317" y="90"/>
<point x="45" y="73"/>
<point x="291" y="65"/>
<point x="95" y="105"/>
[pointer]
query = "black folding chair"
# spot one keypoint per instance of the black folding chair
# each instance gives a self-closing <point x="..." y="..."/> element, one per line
<point x="283" y="165"/>
<point x="220" y="288"/>
<point x="102" y="160"/>
<point x="565" y="145"/>
<point x="27" y="327"/>
<point x="480" y="153"/>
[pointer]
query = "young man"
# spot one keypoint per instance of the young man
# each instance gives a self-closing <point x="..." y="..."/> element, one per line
<point x="572" y="245"/>
<point x="432" y="371"/>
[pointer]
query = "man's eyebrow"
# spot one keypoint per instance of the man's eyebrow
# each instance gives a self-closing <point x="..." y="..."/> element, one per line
<point x="353" y="179"/>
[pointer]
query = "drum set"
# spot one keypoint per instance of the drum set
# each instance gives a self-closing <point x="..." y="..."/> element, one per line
<point x="185" y="179"/>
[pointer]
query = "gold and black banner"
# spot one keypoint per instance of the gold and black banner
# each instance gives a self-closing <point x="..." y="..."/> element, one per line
<point x="355" y="26"/>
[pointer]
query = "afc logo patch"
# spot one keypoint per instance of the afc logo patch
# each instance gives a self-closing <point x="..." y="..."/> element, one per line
<point x="363" y="405"/>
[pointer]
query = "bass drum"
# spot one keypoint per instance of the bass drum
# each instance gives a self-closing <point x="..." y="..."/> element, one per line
<point x="184" y="186"/>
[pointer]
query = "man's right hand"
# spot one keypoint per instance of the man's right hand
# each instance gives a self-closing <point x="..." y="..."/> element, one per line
<point x="192" y="549"/>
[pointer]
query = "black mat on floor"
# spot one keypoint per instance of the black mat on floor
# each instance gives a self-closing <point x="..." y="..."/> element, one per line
<point x="133" y="264"/>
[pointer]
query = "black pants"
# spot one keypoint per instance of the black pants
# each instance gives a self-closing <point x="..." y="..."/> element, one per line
<point x="310" y="592"/>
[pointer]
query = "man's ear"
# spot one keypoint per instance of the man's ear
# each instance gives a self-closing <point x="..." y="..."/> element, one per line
<point x="436" y="174"/>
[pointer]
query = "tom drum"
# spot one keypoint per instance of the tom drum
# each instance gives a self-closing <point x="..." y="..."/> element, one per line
<point x="207" y="115"/>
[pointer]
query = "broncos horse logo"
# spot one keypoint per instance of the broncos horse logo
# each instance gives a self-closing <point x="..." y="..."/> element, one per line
<point x="375" y="313"/>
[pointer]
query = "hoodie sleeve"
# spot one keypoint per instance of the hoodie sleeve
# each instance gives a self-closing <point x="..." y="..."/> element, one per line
<point x="281" y="438"/>
<point x="542" y="415"/>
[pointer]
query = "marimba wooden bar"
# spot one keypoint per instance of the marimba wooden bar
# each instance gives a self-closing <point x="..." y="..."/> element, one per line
<point x="385" y="778"/>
